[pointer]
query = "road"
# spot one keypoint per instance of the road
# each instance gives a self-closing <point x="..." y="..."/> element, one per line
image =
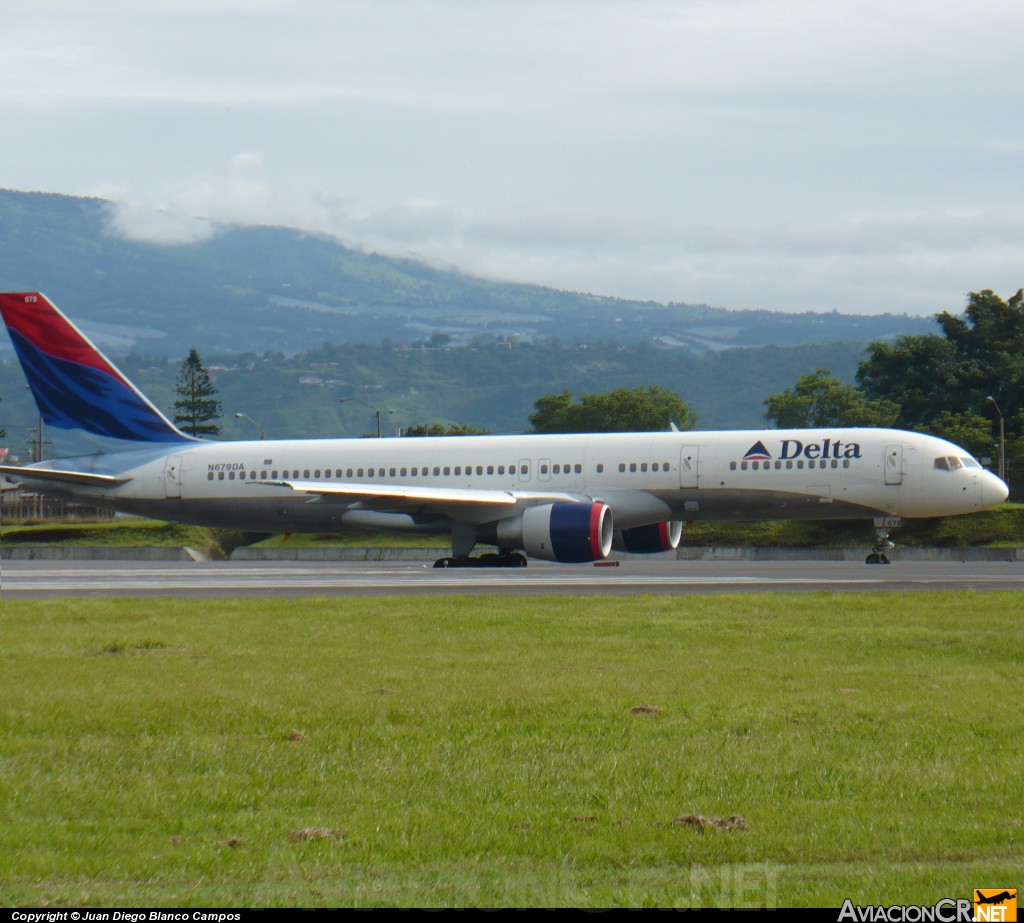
<point x="48" y="579"/>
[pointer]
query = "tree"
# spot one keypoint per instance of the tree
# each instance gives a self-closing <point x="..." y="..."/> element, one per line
<point x="970" y="430"/>
<point x="819" y="400"/>
<point x="977" y="354"/>
<point x="197" y="407"/>
<point x="942" y="381"/>
<point x="625" y="410"/>
<point x="442" y="429"/>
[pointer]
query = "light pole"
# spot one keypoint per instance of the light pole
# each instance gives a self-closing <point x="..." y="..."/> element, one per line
<point x="245" y="416"/>
<point x="1002" y="439"/>
<point x="376" y="410"/>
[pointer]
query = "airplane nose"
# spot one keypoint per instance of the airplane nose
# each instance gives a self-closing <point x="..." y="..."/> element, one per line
<point x="993" y="491"/>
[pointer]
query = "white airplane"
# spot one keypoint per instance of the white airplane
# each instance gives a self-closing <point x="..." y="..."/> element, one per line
<point x="568" y="498"/>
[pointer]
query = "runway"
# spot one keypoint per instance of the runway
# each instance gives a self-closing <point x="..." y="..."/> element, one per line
<point x="48" y="579"/>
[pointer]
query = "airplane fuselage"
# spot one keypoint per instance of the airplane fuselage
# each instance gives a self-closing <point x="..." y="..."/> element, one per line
<point x="647" y="477"/>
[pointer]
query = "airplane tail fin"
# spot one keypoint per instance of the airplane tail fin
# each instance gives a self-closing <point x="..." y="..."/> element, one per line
<point x="75" y="386"/>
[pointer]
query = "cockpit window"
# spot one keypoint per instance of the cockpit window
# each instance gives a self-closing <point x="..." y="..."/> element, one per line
<point x="970" y="463"/>
<point x="951" y="463"/>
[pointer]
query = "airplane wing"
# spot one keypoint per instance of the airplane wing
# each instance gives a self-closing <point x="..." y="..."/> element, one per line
<point x="71" y="478"/>
<point x="401" y="496"/>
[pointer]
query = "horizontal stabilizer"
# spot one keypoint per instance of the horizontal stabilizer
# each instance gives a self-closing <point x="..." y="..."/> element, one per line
<point x="71" y="478"/>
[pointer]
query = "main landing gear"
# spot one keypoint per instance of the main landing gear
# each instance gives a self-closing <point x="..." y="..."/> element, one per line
<point x="883" y="547"/>
<point x="504" y="559"/>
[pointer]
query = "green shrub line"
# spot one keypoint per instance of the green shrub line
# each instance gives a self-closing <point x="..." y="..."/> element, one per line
<point x="1002" y="527"/>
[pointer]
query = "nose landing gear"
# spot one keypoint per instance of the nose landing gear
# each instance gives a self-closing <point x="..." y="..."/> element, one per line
<point x="883" y="547"/>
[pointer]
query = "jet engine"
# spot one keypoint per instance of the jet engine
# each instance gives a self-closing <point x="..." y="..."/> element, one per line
<point x="658" y="536"/>
<point x="570" y="533"/>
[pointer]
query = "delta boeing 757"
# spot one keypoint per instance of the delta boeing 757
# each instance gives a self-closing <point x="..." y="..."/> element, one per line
<point x="569" y="498"/>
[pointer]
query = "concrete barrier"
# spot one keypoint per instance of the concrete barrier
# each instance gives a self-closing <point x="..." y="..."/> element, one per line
<point x="97" y="553"/>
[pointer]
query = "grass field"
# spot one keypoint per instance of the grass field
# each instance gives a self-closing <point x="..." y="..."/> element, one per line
<point x="655" y="751"/>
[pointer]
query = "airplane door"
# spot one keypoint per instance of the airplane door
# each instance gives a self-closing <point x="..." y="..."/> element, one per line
<point x="172" y="477"/>
<point x="894" y="464"/>
<point x="689" y="466"/>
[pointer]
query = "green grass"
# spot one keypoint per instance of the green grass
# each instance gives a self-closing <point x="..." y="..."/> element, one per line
<point x="476" y="751"/>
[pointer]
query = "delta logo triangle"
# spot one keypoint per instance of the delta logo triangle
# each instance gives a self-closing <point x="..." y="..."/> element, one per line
<point x="757" y="452"/>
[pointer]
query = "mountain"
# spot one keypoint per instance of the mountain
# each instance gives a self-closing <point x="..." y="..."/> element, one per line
<point x="249" y="289"/>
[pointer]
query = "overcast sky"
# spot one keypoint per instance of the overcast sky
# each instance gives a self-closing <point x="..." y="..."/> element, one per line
<point x="858" y="155"/>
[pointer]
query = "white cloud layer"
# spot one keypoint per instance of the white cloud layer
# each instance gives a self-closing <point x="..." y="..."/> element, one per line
<point x="786" y="154"/>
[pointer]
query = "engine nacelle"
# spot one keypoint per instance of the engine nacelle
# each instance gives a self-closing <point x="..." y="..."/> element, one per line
<point x="570" y="533"/>
<point x="657" y="537"/>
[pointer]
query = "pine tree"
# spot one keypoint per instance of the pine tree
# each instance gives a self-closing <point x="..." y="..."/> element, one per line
<point x="197" y="407"/>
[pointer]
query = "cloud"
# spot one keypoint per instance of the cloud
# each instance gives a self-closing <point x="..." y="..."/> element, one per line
<point x="236" y="194"/>
<point x="782" y="153"/>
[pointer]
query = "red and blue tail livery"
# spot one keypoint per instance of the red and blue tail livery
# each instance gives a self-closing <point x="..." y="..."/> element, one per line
<point x="75" y="386"/>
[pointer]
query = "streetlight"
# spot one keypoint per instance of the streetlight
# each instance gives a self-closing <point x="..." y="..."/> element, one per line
<point x="1002" y="439"/>
<point x="376" y="410"/>
<point x="245" y="416"/>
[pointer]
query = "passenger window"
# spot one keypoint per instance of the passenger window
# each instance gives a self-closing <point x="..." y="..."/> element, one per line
<point x="789" y="464"/>
<point x="490" y="469"/>
<point x="622" y="467"/>
<point x="578" y="469"/>
<point x="220" y="475"/>
<point x="391" y="473"/>
<point x="732" y="466"/>
<point x="743" y="466"/>
<point x="458" y="470"/>
<point x="209" y="475"/>
<point x="643" y="466"/>
<point x="447" y="471"/>
<point x="273" y="475"/>
<point x="369" y="472"/>
<point x="231" y="475"/>
<point x="632" y="467"/>
<point x="800" y="463"/>
<point x="600" y="468"/>
<point x="543" y="469"/>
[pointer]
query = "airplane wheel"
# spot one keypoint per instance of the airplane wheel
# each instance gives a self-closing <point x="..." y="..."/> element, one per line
<point x="443" y="562"/>
<point x="872" y="559"/>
